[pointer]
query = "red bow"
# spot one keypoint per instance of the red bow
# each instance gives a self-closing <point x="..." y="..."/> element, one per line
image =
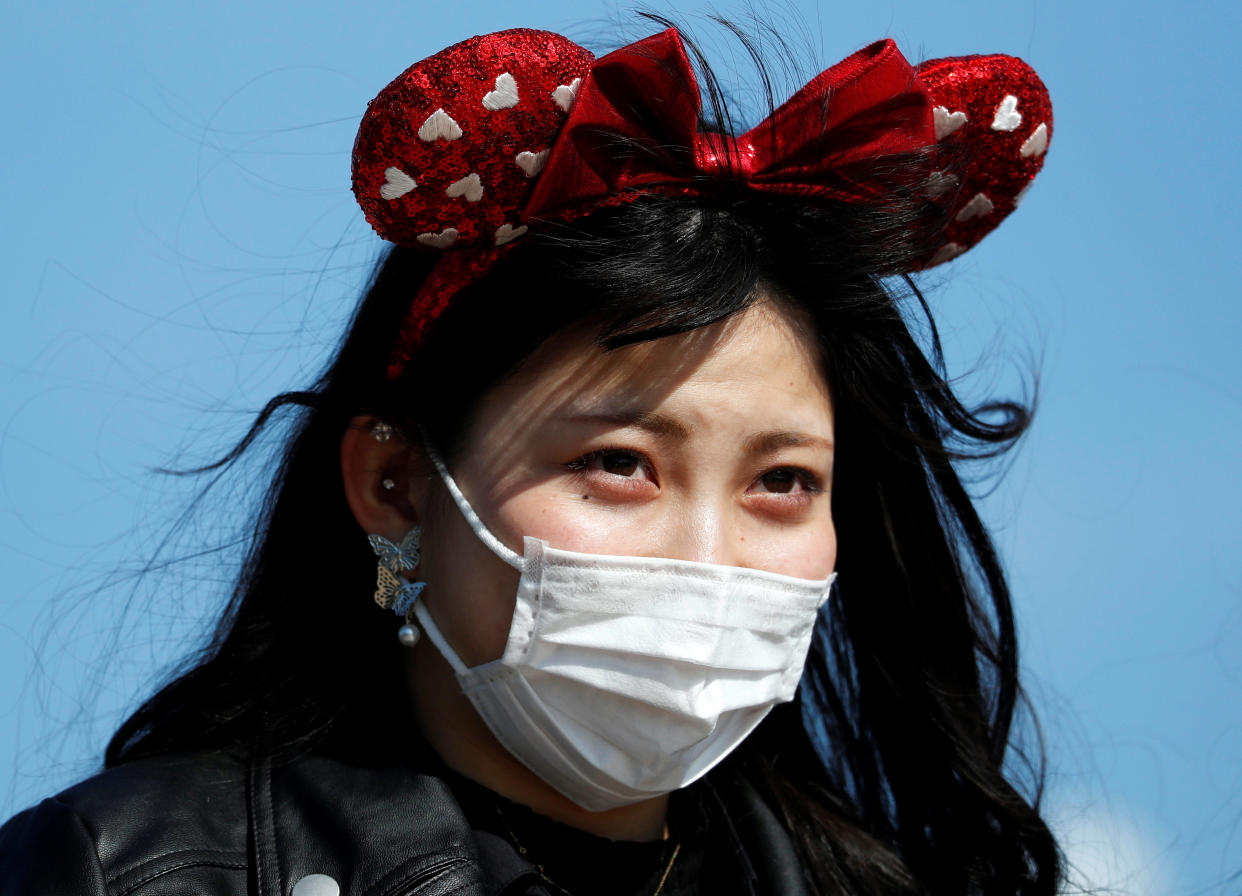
<point x="635" y="129"/>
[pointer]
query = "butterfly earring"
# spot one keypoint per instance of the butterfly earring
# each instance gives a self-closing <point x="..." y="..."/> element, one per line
<point x="392" y="592"/>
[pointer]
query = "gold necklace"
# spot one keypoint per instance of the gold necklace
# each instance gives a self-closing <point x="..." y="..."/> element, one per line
<point x="667" y="868"/>
<point x="672" y="859"/>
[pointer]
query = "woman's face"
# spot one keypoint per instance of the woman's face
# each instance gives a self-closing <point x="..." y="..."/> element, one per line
<point x="714" y="446"/>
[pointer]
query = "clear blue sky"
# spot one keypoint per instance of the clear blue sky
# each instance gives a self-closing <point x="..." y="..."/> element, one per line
<point x="181" y="243"/>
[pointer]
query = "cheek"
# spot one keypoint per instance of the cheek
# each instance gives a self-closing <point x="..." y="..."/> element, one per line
<point x="810" y="553"/>
<point x="566" y="520"/>
<point x="470" y="591"/>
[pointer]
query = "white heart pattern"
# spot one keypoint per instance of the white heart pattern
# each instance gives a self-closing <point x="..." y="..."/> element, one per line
<point x="505" y="96"/>
<point x="441" y="240"/>
<point x="469" y="186"/>
<point x="947" y="122"/>
<point x="439" y="126"/>
<point x="396" y="183"/>
<point x="947" y="252"/>
<point x="507" y="233"/>
<point x="565" y="95"/>
<point x="938" y="184"/>
<point x="1037" y="143"/>
<point x="978" y="206"/>
<point x="531" y="162"/>
<point x="1007" y="115"/>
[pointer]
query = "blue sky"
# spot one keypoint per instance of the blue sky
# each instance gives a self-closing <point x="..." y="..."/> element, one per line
<point x="181" y="243"/>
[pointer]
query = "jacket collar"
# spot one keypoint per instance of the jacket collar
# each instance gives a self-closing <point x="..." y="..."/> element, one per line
<point x="394" y="831"/>
<point x="380" y="832"/>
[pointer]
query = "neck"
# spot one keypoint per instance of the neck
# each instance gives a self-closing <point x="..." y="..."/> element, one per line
<point x="449" y="723"/>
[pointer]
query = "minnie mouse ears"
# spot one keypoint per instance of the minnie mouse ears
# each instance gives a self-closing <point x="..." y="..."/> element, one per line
<point x="1000" y="111"/>
<point x="471" y="147"/>
<point x="447" y="153"/>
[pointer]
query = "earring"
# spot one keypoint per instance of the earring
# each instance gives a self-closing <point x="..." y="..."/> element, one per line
<point x="388" y="484"/>
<point x="392" y="592"/>
<point x="381" y="431"/>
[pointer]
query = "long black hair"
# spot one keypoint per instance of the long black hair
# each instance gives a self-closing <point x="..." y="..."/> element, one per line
<point x="889" y="769"/>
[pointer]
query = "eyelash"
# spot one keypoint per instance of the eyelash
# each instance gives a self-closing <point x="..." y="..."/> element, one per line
<point x="811" y="484"/>
<point x="581" y="466"/>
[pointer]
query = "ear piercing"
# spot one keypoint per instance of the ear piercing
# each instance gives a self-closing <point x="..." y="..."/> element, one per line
<point x="392" y="592"/>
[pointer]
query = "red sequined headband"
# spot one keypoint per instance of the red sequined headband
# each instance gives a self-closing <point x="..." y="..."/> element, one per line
<point x="468" y="149"/>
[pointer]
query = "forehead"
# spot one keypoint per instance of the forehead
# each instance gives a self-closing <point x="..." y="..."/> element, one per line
<point x="756" y="368"/>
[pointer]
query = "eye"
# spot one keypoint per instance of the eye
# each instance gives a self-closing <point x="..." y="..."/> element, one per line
<point x="789" y="481"/>
<point x="618" y="463"/>
<point x="613" y="462"/>
<point x="780" y="481"/>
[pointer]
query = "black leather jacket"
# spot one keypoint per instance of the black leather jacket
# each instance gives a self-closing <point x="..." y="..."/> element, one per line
<point x="208" y="824"/>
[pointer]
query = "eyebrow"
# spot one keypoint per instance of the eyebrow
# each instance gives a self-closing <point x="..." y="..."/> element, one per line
<point x="775" y="440"/>
<point x="671" y="429"/>
<point x="649" y="421"/>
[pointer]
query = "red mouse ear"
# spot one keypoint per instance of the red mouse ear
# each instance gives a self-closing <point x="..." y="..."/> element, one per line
<point x="1000" y="112"/>
<point x="447" y="153"/>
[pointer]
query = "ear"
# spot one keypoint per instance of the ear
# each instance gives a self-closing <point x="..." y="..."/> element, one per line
<point x="367" y="464"/>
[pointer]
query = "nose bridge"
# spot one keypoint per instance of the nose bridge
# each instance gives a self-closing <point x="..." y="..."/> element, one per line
<point x="703" y="532"/>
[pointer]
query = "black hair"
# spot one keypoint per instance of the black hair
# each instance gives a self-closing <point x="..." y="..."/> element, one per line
<point x="889" y="769"/>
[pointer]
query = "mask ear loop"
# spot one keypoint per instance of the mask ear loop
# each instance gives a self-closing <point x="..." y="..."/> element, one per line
<point x="498" y="548"/>
<point x="476" y="525"/>
<point x="441" y="643"/>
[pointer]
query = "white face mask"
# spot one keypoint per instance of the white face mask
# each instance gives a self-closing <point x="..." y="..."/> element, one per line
<point x="624" y="678"/>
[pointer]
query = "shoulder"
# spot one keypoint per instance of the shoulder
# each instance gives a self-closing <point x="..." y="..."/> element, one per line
<point x="214" y="823"/>
<point x="129" y="825"/>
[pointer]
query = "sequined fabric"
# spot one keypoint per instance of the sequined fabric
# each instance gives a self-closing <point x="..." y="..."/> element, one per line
<point x="470" y="148"/>
<point x="445" y="119"/>
<point x="1007" y="127"/>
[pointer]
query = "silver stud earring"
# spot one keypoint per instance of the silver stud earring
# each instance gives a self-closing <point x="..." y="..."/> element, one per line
<point x="388" y="484"/>
<point x="392" y="592"/>
<point x="381" y="431"/>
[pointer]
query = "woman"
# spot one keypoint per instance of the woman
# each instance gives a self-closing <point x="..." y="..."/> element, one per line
<point x="626" y="398"/>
